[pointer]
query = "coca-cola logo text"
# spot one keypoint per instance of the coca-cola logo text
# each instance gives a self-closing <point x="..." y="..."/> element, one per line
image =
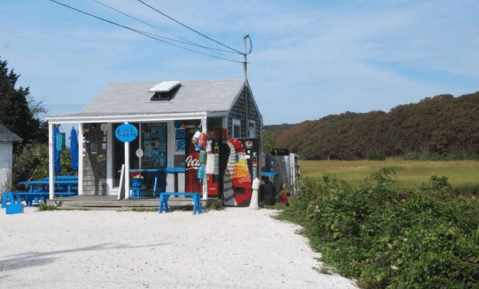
<point x="192" y="164"/>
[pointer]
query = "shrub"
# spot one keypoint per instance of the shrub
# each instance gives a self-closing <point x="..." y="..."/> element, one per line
<point x="384" y="237"/>
<point x="27" y="160"/>
<point x="41" y="170"/>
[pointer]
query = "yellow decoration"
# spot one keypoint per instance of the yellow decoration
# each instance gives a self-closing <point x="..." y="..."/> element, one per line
<point x="241" y="169"/>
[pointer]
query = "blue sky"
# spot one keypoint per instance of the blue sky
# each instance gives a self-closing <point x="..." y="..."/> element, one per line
<point x="310" y="58"/>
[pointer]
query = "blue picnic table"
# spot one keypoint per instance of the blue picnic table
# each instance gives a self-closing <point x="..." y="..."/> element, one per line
<point x="62" y="187"/>
<point x="38" y="189"/>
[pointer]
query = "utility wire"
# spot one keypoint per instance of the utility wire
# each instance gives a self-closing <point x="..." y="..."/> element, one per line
<point x="185" y="41"/>
<point x="154" y="36"/>
<point x="190" y="28"/>
<point x="250" y="45"/>
<point x="142" y="32"/>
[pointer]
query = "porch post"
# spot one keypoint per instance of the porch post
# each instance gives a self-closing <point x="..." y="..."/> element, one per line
<point x="51" y="172"/>
<point x="225" y="122"/>
<point x="204" y="129"/>
<point x="109" y="158"/>
<point x="127" y="169"/>
<point x="80" y="158"/>
<point x="139" y="144"/>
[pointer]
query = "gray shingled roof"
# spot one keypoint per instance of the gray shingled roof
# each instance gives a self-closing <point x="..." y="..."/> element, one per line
<point x="192" y="96"/>
<point x="7" y="135"/>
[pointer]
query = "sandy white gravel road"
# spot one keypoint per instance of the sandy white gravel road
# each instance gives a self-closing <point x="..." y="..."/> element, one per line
<point x="231" y="248"/>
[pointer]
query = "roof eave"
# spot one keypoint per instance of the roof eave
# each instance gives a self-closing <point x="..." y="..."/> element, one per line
<point x="134" y="118"/>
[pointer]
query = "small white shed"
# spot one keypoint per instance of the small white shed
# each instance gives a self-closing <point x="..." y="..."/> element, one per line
<point x="6" y="157"/>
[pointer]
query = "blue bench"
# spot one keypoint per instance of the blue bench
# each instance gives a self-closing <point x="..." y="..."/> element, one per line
<point x="12" y="206"/>
<point x="195" y="197"/>
<point x="29" y="197"/>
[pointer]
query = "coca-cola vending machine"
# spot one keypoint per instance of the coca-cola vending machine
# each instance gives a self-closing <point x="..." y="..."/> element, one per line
<point x="213" y="158"/>
<point x="192" y="164"/>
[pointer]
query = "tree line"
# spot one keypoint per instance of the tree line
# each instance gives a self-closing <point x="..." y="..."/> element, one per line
<point x="442" y="124"/>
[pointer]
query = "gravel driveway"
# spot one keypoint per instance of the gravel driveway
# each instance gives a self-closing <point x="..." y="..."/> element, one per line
<point x="230" y="248"/>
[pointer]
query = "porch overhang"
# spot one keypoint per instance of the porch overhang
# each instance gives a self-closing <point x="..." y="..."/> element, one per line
<point x="82" y="119"/>
<point x="133" y="117"/>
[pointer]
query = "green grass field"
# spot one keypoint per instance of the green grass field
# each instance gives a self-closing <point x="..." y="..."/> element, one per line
<point x="462" y="175"/>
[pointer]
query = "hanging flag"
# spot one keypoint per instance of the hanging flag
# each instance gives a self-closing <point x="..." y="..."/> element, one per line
<point x="74" y="149"/>
<point x="57" y="150"/>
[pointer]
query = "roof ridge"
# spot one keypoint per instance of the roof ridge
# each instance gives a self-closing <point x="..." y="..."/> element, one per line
<point x="158" y="81"/>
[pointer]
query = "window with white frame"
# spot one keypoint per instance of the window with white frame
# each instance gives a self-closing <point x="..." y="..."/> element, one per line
<point x="236" y="128"/>
<point x="251" y="128"/>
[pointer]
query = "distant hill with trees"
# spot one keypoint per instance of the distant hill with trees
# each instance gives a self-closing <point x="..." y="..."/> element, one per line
<point x="442" y="124"/>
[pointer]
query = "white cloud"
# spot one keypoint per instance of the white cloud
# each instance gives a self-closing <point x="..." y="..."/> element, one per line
<point x="309" y="59"/>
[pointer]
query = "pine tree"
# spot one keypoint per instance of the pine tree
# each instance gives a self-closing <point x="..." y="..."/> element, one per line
<point x="15" y="113"/>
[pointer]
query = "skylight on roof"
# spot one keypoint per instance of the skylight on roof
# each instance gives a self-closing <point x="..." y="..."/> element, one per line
<point x="165" y="86"/>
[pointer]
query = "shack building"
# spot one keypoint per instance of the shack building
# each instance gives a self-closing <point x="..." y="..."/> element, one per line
<point x="7" y="138"/>
<point x="167" y="115"/>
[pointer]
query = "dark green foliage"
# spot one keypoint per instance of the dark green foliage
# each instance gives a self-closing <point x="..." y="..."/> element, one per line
<point x="15" y="113"/>
<point x="268" y="141"/>
<point x="32" y="157"/>
<point x="18" y="112"/>
<point x="32" y="163"/>
<point x="40" y="171"/>
<point x="376" y="157"/>
<point x="386" y="238"/>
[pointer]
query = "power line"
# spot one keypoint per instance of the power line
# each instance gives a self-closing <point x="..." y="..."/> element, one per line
<point x="152" y="36"/>
<point x="190" y="28"/>
<point x="185" y="41"/>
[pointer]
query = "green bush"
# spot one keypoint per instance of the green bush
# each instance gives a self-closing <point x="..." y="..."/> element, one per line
<point x="376" y="157"/>
<point x="387" y="238"/>
<point x="41" y="170"/>
<point x="32" y="163"/>
<point x="26" y="160"/>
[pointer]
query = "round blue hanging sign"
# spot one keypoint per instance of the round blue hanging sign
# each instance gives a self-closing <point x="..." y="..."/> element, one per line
<point x="126" y="133"/>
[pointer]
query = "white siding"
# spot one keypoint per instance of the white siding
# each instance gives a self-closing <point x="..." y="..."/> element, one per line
<point x="6" y="150"/>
